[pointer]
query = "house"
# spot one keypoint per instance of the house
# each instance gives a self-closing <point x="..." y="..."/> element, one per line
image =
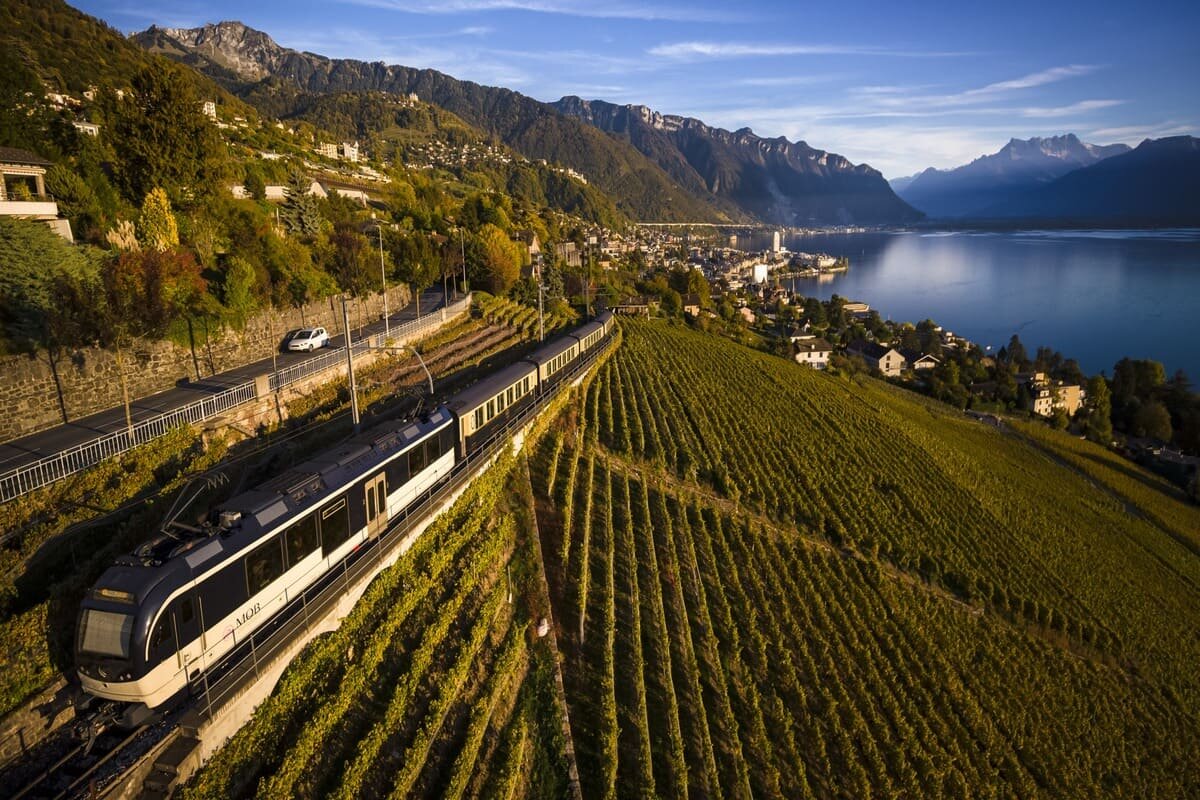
<point x="636" y="306"/>
<point x="885" y="359"/>
<point x="87" y="128"/>
<point x="327" y="149"/>
<point x="918" y="361"/>
<point x="814" y="353"/>
<point x="691" y="304"/>
<point x="1048" y="395"/>
<point x="568" y="254"/>
<point x="747" y="314"/>
<point x="209" y="109"/>
<point x="532" y="244"/>
<point x="349" y="151"/>
<point x="23" y="190"/>
<point x="759" y="273"/>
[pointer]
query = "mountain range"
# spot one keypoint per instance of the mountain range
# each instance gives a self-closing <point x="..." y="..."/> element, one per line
<point x="997" y="180"/>
<point x="656" y="167"/>
<point x="773" y="180"/>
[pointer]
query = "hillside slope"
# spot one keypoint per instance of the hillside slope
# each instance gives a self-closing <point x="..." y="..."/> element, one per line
<point x="835" y="588"/>
<point x="774" y="180"/>
<point x="282" y="81"/>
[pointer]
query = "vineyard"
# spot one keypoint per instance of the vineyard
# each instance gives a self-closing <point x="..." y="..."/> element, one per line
<point x="429" y="688"/>
<point x="772" y="582"/>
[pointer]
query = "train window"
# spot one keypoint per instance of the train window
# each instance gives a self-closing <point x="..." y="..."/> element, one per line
<point x="447" y="440"/>
<point x="162" y="639"/>
<point x="370" y="502"/>
<point x="301" y="539"/>
<point x="187" y="612"/>
<point x="263" y="566"/>
<point x="491" y="409"/>
<point x="416" y="459"/>
<point x="335" y="526"/>
<point x="478" y="418"/>
<point x="397" y="471"/>
<point x="105" y="633"/>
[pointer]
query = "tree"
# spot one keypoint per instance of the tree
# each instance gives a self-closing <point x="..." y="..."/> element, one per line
<point x="76" y="200"/>
<point x="48" y="292"/>
<point x="1153" y="420"/>
<point x="239" y="292"/>
<point x="300" y="211"/>
<point x="144" y="292"/>
<point x="501" y="258"/>
<point x="1015" y="353"/>
<point x="1098" y="427"/>
<point x="160" y="137"/>
<point x="349" y="257"/>
<point x="157" y="227"/>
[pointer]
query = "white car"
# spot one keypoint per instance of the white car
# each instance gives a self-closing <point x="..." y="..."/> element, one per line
<point x="309" y="339"/>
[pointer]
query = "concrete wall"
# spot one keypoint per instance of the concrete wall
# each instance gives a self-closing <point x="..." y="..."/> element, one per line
<point x="89" y="376"/>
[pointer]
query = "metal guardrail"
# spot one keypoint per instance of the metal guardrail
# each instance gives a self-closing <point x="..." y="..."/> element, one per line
<point x="24" y="479"/>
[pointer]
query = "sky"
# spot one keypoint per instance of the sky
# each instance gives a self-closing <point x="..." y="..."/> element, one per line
<point x="899" y="85"/>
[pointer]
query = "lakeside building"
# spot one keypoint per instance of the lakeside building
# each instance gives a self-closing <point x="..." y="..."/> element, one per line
<point x="813" y="352"/>
<point x="887" y="360"/>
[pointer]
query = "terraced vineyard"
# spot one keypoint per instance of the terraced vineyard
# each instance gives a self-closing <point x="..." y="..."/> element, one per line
<point x="430" y="687"/>
<point x="776" y="583"/>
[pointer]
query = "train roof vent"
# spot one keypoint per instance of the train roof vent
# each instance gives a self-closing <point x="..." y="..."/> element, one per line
<point x="295" y="483"/>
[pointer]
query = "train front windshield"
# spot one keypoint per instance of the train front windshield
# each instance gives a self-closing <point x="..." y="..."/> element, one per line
<point x="105" y="633"/>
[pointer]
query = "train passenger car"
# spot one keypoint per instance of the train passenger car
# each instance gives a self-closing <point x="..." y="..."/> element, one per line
<point x="606" y="319"/>
<point x="553" y="357"/>
<point x="157" y="619"/>
<point x="589" y="335"/>
<point x="491" y="401"/>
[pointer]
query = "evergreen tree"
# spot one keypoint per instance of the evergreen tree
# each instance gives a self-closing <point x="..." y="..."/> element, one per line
<point x="300" y="211"/>
<point x="1099" y="417"/>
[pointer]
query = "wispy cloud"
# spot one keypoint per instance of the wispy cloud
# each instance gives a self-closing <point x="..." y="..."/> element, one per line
<point x="574" y="8"/>
<point x="1034" y="79"/>
<point x="1132" y="134"/>
<point x="690" y="51"/>
<point x="1082" y="107"/>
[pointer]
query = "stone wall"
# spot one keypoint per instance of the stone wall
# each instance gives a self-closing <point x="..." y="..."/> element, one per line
<point x="89" y="376"/>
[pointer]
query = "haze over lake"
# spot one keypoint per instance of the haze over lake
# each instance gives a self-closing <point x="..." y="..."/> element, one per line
<point x="1094" y="295"/>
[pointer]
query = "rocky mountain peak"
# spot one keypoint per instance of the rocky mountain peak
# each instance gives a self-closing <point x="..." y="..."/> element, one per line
<point x="250" y="53"/>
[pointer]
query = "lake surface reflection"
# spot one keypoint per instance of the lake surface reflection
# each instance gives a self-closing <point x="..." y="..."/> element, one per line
<point x="1096" y="296"/>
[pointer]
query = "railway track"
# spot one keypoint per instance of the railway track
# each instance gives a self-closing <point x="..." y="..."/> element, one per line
<point x="81" y="763"/>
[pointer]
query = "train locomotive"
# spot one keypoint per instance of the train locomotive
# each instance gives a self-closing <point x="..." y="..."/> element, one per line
<point x="159" y="618"/>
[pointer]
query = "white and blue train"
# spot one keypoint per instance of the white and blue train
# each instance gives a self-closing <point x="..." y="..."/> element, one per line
<point x="159" y="618"/>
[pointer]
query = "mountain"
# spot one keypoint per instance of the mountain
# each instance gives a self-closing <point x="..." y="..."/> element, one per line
<point x="997" y="179"/>
<point x="1153" y="184"/>
<point x="280" y="81"/>
<point x="774" y="180"/>
<point x="71" y="52"/>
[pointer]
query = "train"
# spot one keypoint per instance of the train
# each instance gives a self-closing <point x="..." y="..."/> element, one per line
<point x="159" y="618"/>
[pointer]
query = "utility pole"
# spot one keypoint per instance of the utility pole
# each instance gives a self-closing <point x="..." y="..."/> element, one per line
<point x="387" y="327"/>
<point x="462" y="251"/>
<point x="350" y="367"/>
<point x="541" y="321"/>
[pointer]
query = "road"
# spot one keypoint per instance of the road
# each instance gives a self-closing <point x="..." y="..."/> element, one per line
<point x="63" y="437"/>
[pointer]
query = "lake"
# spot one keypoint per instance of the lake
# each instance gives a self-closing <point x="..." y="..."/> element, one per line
<point x="1094" y="295"/>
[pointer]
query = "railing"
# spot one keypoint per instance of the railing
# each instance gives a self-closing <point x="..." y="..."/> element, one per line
<point x="26" y="478"/>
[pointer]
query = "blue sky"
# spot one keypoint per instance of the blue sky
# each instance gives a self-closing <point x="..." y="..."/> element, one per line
<point x="899" y="85"/>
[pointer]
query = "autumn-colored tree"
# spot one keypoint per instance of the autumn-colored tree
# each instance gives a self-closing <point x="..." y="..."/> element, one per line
<point x="157" y="228"/>
<point x="501" y="258"/>
<point x="144" y="292"/>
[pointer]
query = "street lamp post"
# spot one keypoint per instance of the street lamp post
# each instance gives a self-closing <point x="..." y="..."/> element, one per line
<point x="350" y="366"/>
<point x="387" y="327"/>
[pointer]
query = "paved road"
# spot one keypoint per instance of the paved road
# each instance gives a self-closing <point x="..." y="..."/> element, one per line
<point x="55" y="440"/>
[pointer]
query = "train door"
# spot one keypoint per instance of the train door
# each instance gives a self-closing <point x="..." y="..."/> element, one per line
<point x="189" y="634"/>
<point x="376" y="503"/>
